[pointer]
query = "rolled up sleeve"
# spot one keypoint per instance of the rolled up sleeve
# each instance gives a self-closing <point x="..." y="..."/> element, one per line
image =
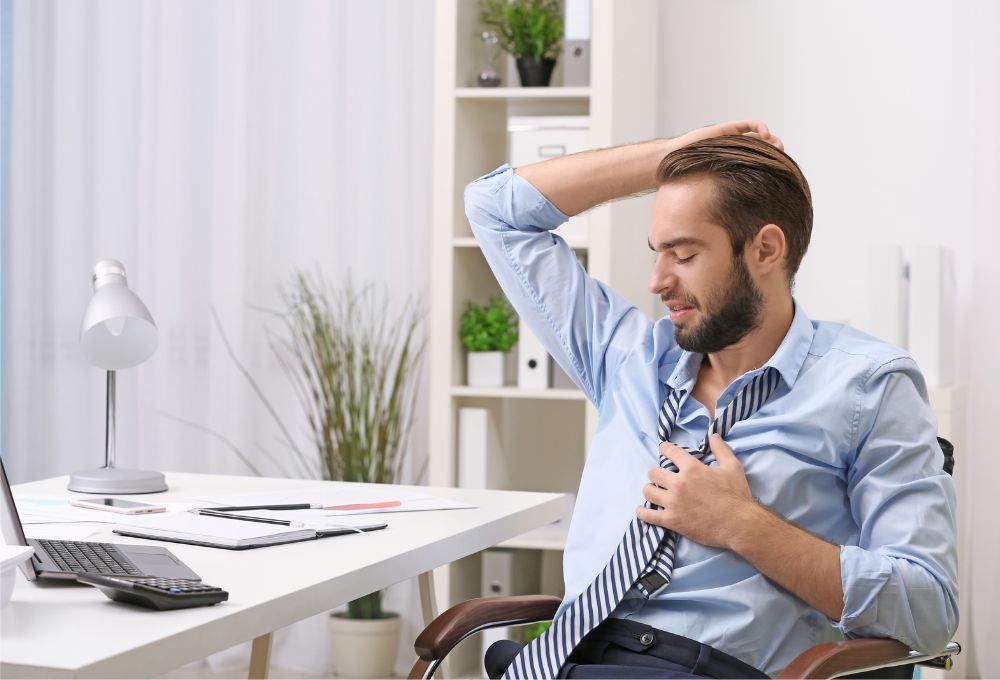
<point x="585" y="325"/>
<point x="900" y="581"/>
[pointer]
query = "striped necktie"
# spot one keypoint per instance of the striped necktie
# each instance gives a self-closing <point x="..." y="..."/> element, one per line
<point x="644" y="558"/>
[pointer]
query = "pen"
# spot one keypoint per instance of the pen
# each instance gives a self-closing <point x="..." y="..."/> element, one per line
<point x="292" y="506"/>
<point x="246" y="518"/>
<point x="310" y="506"/>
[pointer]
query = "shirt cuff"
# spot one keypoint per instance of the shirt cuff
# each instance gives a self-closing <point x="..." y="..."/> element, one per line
<point x="519" y="203"/>
<point x="863" y="574"/>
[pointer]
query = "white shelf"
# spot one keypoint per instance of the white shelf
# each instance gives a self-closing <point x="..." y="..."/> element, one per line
<point x="517" y="393"/>
<point x="470" y="242"/>
<point x="523" y="93"/>
<point x="470" y="138"/>
<point x="549" y="537"/>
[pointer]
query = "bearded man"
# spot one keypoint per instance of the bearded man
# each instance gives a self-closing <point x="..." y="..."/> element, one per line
<point x="789" y="484"/>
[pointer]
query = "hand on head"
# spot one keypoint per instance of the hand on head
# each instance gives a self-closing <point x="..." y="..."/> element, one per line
<point x="750" y="127"/>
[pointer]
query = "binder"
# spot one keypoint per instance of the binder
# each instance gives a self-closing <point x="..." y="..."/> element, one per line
<point x="481" y="461"/>
<point x="533" y="366"/>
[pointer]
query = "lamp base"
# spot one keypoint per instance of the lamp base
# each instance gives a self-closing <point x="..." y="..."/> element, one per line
<point x="117" y="481"/>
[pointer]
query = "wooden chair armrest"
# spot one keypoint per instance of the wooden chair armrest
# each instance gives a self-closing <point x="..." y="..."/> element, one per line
<point x="444" y="632"/>
<point x="835" y="658"/>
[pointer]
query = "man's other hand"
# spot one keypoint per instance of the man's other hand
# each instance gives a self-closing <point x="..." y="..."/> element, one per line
<point x="750" y="127"/>
<point x="706" y="504"/>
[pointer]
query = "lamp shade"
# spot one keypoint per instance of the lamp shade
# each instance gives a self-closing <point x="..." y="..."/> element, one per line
<point x="117" y="331"/>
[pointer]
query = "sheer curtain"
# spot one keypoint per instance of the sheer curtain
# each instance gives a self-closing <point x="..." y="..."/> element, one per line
<point x="214" y="148"/>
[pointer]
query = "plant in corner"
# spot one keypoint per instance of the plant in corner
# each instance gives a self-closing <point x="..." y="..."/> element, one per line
<point x="354" y="368"/>
<point x="487" y="332"/>
<point x="530" y="31"/>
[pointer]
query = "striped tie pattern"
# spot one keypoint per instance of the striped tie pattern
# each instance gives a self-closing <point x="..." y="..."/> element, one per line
<point x="644" y="557"/>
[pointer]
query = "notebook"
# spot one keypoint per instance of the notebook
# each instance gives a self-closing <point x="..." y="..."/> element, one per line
<point x="233" y="534"/>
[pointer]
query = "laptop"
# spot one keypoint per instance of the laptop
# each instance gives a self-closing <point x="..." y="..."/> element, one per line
<point x="66" y="559"/>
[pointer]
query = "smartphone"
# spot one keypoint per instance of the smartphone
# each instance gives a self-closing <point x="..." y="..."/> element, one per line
<point x="116" y="505"/>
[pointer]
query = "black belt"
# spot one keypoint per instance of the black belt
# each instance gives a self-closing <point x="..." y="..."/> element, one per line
<point x="637" y="637"/>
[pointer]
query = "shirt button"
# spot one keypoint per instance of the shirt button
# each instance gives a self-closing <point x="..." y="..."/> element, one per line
<point x="646" y="639"/>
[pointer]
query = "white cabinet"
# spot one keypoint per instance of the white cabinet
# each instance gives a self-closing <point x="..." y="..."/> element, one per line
<point x="544" y="433"/>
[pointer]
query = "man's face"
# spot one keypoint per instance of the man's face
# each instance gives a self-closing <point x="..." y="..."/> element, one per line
<point x="712" y="298"/>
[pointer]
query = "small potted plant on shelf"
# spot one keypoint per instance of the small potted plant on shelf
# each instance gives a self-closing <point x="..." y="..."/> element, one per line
<point x="530" y="31"/>
<point x="487" y="332"/>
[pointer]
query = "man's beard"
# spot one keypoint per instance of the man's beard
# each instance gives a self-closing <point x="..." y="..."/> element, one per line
<point x="730" y="313"/>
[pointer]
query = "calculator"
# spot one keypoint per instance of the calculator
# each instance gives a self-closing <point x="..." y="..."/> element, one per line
<point x="155" y="592"/>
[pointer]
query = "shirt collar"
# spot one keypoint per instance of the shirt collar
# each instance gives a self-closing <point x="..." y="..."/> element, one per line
<point x="787" y="359"/>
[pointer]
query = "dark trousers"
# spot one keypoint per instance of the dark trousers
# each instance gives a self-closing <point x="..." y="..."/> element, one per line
<point x="619" y="648"/>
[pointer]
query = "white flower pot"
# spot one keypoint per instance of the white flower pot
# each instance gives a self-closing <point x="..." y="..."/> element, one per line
<point x="485" y="369"/>
<point x="364" y="648"/>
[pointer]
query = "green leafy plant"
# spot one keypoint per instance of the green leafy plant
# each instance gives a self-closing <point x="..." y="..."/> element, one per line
<point x="525" y="28"/>
<point x="533" y="630"/>
<point x="490" y="328"/>
<point x="354" y="368"/>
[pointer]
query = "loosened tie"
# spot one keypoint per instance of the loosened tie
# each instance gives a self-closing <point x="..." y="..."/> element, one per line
<point x="644" y="557"/>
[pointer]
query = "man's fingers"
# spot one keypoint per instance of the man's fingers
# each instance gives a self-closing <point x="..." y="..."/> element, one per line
<point x="650" y="516"/>
<point x="676" y="455"/>
<point x="758" y="127"/>
<point x="654" y="494"/>
<point x="773" y="140"/>
<point x="723" y="453"/>
<point x="751" y="127"/>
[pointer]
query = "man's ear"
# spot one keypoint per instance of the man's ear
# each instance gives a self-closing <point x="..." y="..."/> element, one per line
<point x="768" y="249"/>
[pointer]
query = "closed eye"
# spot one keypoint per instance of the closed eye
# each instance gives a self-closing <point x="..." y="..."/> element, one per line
<point x="684" y="260"/>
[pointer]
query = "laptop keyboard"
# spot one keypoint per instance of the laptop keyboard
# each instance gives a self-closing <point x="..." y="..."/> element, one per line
<point x="89" y="558"/>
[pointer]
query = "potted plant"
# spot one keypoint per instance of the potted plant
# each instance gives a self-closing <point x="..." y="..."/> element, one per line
<point x="487" y="332"/>
<point x="529" y="30"/>
<point x="354" y="367"/>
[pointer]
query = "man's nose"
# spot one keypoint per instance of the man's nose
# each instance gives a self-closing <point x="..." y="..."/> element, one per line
<point x="660" y="278"/>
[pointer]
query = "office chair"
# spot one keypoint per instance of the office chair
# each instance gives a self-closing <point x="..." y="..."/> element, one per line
<point x="858" y="658"/>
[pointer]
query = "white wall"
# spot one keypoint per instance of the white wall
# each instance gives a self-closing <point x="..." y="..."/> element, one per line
<point x="892" y="111"/>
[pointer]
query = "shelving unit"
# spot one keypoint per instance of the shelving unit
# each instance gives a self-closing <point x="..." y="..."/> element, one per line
<point x="518" y="393"/>
<point x="470" y="139"/>
<point x="524" y="93"/>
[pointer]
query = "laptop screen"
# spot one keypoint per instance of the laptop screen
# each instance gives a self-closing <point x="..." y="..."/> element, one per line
<point x="10" y="521"/>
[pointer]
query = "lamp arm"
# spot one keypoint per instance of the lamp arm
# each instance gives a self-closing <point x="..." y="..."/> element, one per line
<point x="109" y="425"/>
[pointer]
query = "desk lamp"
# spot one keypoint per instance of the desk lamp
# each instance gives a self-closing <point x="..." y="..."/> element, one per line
<point x="117" y="332"/>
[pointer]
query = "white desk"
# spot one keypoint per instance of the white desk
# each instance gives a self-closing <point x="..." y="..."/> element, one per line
<point x="74" y="631"/>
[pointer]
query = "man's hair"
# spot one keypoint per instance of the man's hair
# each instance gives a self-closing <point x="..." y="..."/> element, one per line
<point x="755" y="184"/>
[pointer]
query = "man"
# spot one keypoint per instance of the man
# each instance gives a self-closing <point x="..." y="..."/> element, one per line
<point x="821" y="512"/>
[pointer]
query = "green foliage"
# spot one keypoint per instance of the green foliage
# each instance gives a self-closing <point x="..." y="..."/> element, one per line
<point x="491" y="328"/>
<point x="354" y="368"/>
<point x="533" y="630"/>
<point x="525" y="28"/>
<point x="367" y="607"/>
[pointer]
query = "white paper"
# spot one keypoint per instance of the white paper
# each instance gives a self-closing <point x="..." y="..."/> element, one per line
<point x="409" y="501"/>
<point x="62" y="532"/>
<point x="48" y="509"/>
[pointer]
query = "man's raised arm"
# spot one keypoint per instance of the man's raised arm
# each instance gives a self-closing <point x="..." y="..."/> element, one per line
<point x="581" y="181"/>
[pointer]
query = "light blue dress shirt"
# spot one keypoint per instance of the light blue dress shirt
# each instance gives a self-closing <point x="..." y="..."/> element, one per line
<point x="845" y="448"/>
